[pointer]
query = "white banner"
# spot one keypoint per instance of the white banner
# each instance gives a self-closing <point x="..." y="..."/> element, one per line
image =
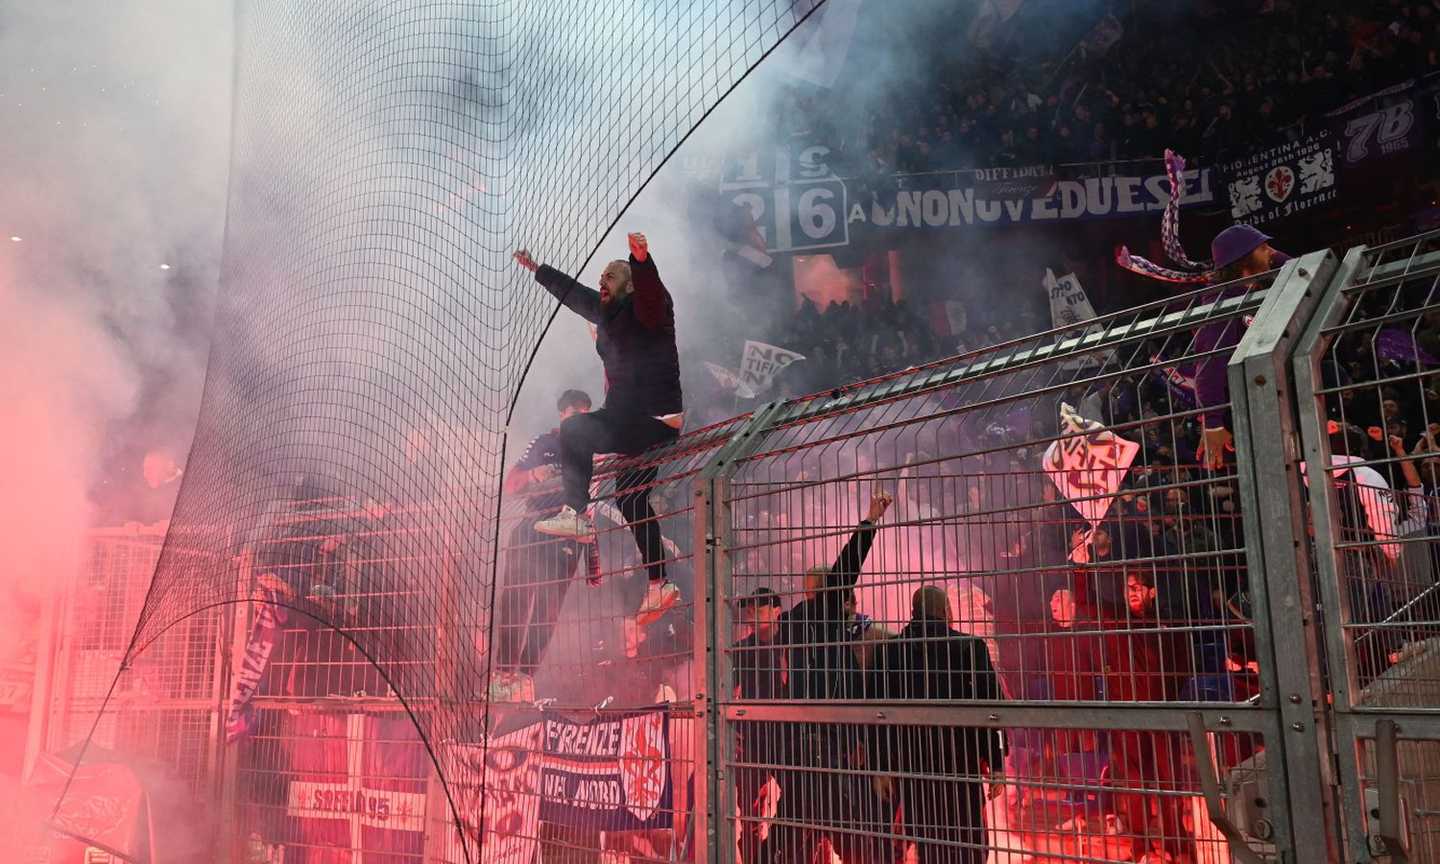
<point x="1088" y="464"/>
<point x="510" y="771"/>
<point x="760" y="363"/>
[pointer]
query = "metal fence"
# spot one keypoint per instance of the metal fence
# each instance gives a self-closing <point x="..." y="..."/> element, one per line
<point x="1368" y="369"/>
<point x="164" y="708"/>
<point x="1060" y="636"/>
<point x="1059" y="596"/>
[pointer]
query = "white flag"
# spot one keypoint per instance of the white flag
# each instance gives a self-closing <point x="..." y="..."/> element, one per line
<point x="826" y="42"/>
<point x="759" y="364"/>
<point x="990" y="16"/>
<point x="1070" y="307"/>
<point x="1088" y="463"/>
<point x="729" y="379"/>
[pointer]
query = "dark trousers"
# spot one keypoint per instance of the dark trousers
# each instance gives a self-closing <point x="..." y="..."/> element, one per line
<point x="538" y="571"/>
<point x="609" y="431"/>
<point x="937" y="813"/>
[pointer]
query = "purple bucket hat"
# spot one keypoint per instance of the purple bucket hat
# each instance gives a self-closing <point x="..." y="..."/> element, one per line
<point x="1234" y="243"/>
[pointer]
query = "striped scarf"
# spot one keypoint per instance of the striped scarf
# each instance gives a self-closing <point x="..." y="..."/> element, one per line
<point x="1190" y="272"/>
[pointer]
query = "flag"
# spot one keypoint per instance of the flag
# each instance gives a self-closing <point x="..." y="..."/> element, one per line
<point x="956" y="317"/>
<point x="250" y="665"/>
<point x="759" y="364"/>
<point x="730" y="380"/>
<point x="826" y="42"/>
<point x="103" y="807"/>
<point x="1069" y="306"/>
<point x="1398" y="345"/>
<point x="1088" y="464"/>
<point x="1180" y="379"/>
<point x="991" y="15"/>
<point x="496" y="788"/>
<point x="1103" y="36"/>
<point x="357" y="789"/>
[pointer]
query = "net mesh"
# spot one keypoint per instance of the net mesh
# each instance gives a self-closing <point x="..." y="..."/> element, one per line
<point x="373" y="334"/>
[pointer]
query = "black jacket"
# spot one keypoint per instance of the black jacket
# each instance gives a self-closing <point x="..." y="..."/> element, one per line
<point x="930" y="661"/>
<point x="814" y="632"/>
<point x="636" y="339"/>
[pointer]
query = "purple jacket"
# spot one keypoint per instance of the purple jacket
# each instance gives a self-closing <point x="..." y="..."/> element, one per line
<point x="1212" y="389"/>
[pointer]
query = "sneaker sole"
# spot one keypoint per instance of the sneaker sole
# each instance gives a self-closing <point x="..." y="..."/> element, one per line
<point x="645" y="619"/>
<point x="551" y="531"/>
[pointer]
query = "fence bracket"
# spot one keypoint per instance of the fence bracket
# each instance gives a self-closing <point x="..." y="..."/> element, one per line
<point x="1210" y="786"/>
<point x="1387" y="781"/>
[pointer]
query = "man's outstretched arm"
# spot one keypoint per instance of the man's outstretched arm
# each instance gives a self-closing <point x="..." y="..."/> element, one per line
<point x="581" y="300"/>
<point x="845" y="572"/>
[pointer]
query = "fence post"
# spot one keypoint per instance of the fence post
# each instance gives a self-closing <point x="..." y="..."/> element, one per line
<point x="1286" y="632"/>
<point x="711" y="826"/>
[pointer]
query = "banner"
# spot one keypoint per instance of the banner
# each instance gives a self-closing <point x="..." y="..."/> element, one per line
<point x="357" y="786"/>
<point x="957" y="199"/>
<point x="760" y="363"/>
<point x="1282" y="180"/>
<point x="1387" y="123"/>
<point x="1031" y="181"/>
<point x="1397" y="345"/>
<point x="798" y="202"/>
<point x="499" y="784"/>
<point x="1088" y="464"/>
<point x="250" y="666"/>
<point x="608" y="774"/>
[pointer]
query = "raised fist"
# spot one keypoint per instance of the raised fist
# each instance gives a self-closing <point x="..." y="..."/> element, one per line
<point x="524" y="260"/>
<point x="879" y="503"/>
<point x="639" y="246"/>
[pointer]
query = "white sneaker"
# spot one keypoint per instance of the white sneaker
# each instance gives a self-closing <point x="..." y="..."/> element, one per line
<point x="566" y="523"/>
<point x="658" y="600"/>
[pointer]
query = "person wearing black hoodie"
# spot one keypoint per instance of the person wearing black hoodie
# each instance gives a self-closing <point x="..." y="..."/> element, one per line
<point x="634" y="319"/>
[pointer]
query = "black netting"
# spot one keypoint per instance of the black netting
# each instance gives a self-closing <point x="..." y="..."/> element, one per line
<point x="373" y="333"/>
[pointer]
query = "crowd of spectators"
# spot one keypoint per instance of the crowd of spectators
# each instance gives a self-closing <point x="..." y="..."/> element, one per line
<point x="1201" y="84"/>
<point x="854" y="341"/>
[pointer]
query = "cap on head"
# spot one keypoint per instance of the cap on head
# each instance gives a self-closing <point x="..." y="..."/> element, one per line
<point x="1234" y="243"/>
<point x="760" y="597"/>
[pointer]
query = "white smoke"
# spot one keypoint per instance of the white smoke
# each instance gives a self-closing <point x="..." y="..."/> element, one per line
<point x="112" y="179"/>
